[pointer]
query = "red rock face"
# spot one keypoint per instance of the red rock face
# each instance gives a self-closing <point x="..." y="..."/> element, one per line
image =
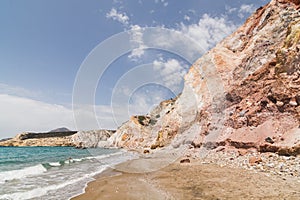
<point x="296" y="2"/>
<point x="246" y="91"/>
<point x="260" y="72"/>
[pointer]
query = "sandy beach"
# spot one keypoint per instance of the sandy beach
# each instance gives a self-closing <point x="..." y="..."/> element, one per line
<point x="190" y="181"/>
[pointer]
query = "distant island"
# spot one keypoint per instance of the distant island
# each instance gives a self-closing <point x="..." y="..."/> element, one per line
<point x="63" y="129"/>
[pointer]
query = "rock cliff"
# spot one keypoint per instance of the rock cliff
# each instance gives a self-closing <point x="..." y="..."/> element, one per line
<point x="63" y="137"/>
<point x="91" y="139"/>
<point x="52" y="138"/>
<point x="243" y="93"/>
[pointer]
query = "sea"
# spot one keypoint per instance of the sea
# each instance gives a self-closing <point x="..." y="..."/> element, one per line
<point x="52" y="172"/>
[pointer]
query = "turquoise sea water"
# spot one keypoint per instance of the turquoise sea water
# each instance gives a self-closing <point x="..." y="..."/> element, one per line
<point x="52" y="172"/>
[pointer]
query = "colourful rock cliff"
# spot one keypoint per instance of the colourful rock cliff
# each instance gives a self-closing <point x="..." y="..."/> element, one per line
<point x="243" y="93"/>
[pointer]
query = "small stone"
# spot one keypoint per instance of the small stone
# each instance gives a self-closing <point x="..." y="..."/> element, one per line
<point x="185" y="160"/>
<point x="220" y="149"/>
<point x="154" y="146"/>
<point x="255" y="160"/>
<point x="269" y="140"/>
<point x="293" y="102"/>
<point x="242" y="152"/>
<point x="279" y="103"/>
<point x="285" y="158"/>
<point x="252" y="150"/>
<point x="271" y="165"/>
<point x="146" y="151"/>
<point x="242" y="113"/>
<point x="270" y="155"/>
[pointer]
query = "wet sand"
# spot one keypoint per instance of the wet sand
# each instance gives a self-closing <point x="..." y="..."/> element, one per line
<point x="190" y="181"/>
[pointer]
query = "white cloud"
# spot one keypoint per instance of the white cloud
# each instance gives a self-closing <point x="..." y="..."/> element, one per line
<point x="136" y="40"/>
<point x="145" y="99"/>
<point x="22" y="114"/>
<point x="117" y="16"/>
<point x="246" y="9"/>
<point x="187" y="18"/>
<point x="171" y="72"/>
<point x="19" y="114"/>
<point x="209" y="30"/>
<point x="136" y="35"/>
<point x="192" y="11"/>
<point x="111" y="116"/>
<point x="145" y="86"/>
<point x="117" y="1"/>
<point x="206" y="33"/>
<point x="163" y="2"/>
<point x="18" y="91"/>
<point x="230" y="9"/>
<point x="193" y="40"/>
<point x="140" y="102"/>
<point x="95" y="117"/>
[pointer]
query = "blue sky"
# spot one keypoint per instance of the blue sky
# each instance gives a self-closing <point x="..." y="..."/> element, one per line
<point x="43" y="44"/>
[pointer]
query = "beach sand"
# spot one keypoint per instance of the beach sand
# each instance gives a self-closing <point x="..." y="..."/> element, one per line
<point x="189" y="181"/>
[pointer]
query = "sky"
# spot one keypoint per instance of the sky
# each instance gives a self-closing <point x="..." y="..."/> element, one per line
<point x="92" y="64"/>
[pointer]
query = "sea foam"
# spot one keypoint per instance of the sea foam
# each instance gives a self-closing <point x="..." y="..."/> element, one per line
<point x="58" y="179"/>
<point x="21" y="173"/>
<point x="41" y="191"/>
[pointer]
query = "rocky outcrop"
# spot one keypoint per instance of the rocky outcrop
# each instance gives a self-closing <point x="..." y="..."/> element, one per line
<point x="262" y="99"/>
<point x="28" y="135"/>
<point x="41" y="139"/>
<point x="243" y="93"/>
<point x="5" y="139"/>
<point x="91" y="139"/>
<point x="157" y="129"/>
<point x="52" y="141"/>
<point x="81" y="139"/>
<point x="62" y="129"/>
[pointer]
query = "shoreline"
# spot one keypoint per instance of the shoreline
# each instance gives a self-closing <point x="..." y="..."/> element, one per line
<point x="193" y="180"/>
<point x="106" y="173"/>
<point x="66" y="171"/>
